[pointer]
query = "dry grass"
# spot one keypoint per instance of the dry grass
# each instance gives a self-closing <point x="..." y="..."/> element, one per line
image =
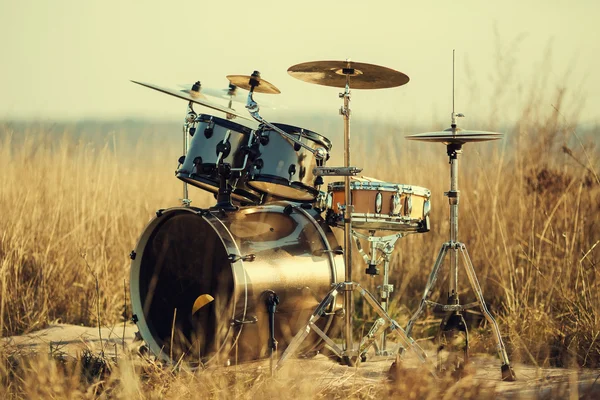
<point x="530" y="207"/>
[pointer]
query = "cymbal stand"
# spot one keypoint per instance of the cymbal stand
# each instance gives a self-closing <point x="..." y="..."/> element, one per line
<point x="385" y="245"/>
<point x="454" y="320"/>
<point x="347" y="353"/>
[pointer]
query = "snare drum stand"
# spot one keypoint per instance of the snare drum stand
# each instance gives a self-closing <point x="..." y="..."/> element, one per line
<point x="385" y="244"/>
<point x="348" y="354"/>
<point x="454" y="321"/>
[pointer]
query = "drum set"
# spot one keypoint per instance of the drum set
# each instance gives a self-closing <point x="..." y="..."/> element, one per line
<point x="261" y="270"/>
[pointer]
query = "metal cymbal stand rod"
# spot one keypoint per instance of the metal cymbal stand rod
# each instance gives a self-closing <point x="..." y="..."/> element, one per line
<point x="348" y="288"/>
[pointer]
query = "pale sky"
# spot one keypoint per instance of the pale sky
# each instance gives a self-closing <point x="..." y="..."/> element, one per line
<point x="73" y="59"/>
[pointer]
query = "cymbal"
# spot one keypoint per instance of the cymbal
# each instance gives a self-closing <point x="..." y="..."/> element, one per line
<point x="194" y="97"/>
<point x="361" y="75"/>
<point x="457" y="135"/>
<point x="243" y="82"/>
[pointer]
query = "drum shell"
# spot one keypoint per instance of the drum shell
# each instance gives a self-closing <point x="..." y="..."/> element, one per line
<point x="414" y="206"/>
<point x="297" y="266"/>
<point x="206" y="148"/>
<point x="278" y="156"/>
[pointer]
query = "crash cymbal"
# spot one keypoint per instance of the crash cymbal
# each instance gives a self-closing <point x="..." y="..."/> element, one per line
<point x="456" y="135"/>
<point x="362" y="75"/>
<point x="194" y="97"/>
<point x="243" y="82"/>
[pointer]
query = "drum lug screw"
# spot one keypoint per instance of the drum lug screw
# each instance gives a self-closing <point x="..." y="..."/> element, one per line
<point x="132" y="254"/>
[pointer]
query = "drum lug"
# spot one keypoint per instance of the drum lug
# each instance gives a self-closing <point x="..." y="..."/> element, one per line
<point x="424" y="225"/>
<point x="132" y="254"/>
<point x="264" y="138"/>
<point x="378" y="202"/>
<point x="408" y="204"/>
<point x="288" y="210"/>
<point x="223" y="147"/>
<point x="396" y="204"/>
<point x="208" y="131"/>
<point x="292" y="171"/>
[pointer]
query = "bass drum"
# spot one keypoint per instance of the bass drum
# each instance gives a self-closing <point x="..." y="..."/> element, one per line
<point x="238" y="259"/>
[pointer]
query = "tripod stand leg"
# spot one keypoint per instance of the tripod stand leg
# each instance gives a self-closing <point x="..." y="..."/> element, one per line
<point x="303" y="333"/>
<point x="410" y="343"/>
<point x="507" y="371"/>
<point x="430" y="283"/>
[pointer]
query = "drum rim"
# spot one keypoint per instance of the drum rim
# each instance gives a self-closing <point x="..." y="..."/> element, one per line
<point x="370" y="221"/>
<point x="312" y="135"/>
<point x="277" y="180"/>
<point x="225" y="123"/>
<point x="381" y="186"/>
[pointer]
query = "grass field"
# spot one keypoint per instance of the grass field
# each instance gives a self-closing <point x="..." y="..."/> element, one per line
<point x="76" y="197"/>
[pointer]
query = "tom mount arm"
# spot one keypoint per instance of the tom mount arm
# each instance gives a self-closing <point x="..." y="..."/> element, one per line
<point x="320" y="153"/>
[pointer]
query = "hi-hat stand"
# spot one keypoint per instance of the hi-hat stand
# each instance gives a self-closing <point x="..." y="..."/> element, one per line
<point x="454" y="138"/>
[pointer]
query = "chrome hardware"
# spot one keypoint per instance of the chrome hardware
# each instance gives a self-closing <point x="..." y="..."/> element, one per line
<point x="336" y="171"/>
<point x="426" y="208"/>
<point x="396" y="204"/>
<point x="329" y="200"/>
<point x="408" y="204"/>
<point x="378" y="202"/>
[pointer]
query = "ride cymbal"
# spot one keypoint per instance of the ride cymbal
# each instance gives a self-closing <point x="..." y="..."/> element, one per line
<point x="361" y="75"/>
<point x="243" y="82"/>
<point x="456" y="135"/>
<point x="194" y="97"/>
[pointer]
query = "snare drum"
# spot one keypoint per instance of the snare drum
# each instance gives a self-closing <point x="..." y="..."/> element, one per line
<point x="285" y="169"/>
<point x="379" y="205"/>
<point x="215" y="135"/>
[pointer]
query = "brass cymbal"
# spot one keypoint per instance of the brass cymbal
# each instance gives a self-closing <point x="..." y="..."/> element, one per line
<point x="243" y="82"/>
<point x="456" y="135"/>
<point x="194" y="97"/>
<point x="361" y="75"/>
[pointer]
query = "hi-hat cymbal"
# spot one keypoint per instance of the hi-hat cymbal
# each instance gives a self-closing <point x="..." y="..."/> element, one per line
<point x="194" y="97"/>
<point x="456" y="135"/>
<point x="243" y="82"/>
<point x="361" y="75"/>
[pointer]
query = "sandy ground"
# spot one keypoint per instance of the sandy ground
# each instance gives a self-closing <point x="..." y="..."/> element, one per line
<point x="532" y="382"/>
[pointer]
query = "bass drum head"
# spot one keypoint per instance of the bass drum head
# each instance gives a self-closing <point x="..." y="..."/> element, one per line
<point x="174" y="269"/>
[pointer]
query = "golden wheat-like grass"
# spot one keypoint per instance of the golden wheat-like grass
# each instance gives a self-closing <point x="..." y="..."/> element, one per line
<point x="74" y="207"/>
